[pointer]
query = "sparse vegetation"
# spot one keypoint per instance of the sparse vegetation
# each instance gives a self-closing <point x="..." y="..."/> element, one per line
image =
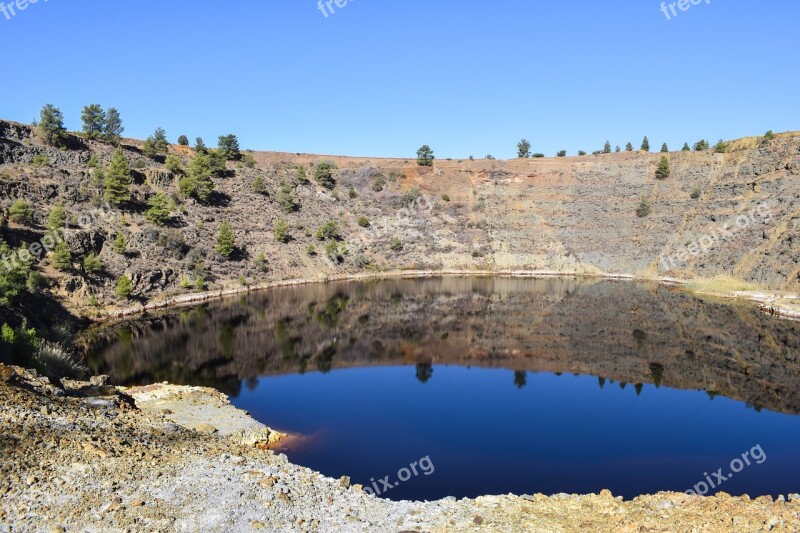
<point x="523" y="149"/>
<point x="120" y="243"/>
<point x="562" y="153"/>
<point x="607" y="147"/>
<point x="701" y="145"/>
<point x="197" y="182"/>
<point x="664" y="148"/>
<point x="285" y="198"/>
<point x="173" y="164"/>
<point x="629" y="147"/>
<point x="721" y="147"/>
<point x="329" y="231"/>
<point x="158" y="211"/>
<point x="281" y="231"/>
<point x="644" y="208"/>
<point x="21" y="212"/>
<point x="124" y="287"/>
<point x="685" y="147"/>
<point x="258" y="185"/>
<point x="183" y="140"/>
<point x="61" y="257"/>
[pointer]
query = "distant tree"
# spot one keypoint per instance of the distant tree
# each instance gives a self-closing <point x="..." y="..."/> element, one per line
<point x="94" y="121"/>
<point x="323" y="173"/>
<point x="158" y="209"/>
<point x="92" y="264"/>
<point x="229" y="147"/>
<point x="721" y="147"/>
<point x="258" y="185"/>
<point x="607" y="147"/>
<point x="156" y="144"/>
<point x="281" y="231"/>
<point x="285" y="198"/>
<point x="425" y="156"/>
<point x="701" y="145"/>
<point x="644" y="208"/>
<point x="51" y="124"/>
<point x="117" y="179"/>
<point x="113" y="129"/>
<point x="197" y="183"/>
<point x="617" y="149"/>
<point x="61" y="258"/>
<point x="629" y="147"/>
<point x="124" y="287"/>
<point x="183" y="140"/>
<point x="120" y="243"/>
<point x="523" y="149"/>
<point x="489" y="157"/>
<point x="225" y="240"/>
<point x="663" y="169"/>
<point x="21" y="212"/>
<point x="562" y="153"/>
<point x="200" y="146"/>
<point x="664" y="148"/>
<point x="685" y="147"/>
<point x="173" y="164"/>
<point x="581" y="152"/>
<point x="538" y="155"/>
<point x="645" y="144"/>
<point x="57" y="218"/>
<point x="769" y="135"/>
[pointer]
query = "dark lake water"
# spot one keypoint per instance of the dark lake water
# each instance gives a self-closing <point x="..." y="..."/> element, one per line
<point x="462" y="387"/>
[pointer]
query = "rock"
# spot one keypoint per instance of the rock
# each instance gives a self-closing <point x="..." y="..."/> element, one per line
<point x="205" y="428"/>
<point x="98" y="381"/>
<point x="344" y="482"/>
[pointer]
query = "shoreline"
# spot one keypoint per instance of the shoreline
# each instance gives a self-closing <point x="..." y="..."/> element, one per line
<point x="766" y="300"/>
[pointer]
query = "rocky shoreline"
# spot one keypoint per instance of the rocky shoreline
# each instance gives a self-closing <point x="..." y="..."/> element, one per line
<point x="96" y="458"/>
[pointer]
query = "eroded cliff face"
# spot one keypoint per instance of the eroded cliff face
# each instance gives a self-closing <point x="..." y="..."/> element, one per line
<point x="735" y="214"/>
<point x="627" y="332"/>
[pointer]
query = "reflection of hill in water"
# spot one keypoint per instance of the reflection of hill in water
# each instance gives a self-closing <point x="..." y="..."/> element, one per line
<point x="631" y="333"/>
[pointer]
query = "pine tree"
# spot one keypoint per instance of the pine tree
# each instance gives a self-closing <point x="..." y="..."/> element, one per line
<point x="200" y="146"/>
<point x="156" y="144"/>
<point x="57" y="218"/>
<point x="158" y="212"/>
<point x="225" y="240"/>
<point x="425" y="156"/>
<point x="617" y="149"/>
<point x="663" y="169"/>
<point x="686" y="147"/>
<point x="523" y="149"/>
<point x="61" y="258"/>
<point x="124" y="287"/>
<point x="229" y="147"/>
<point x="183" y="140"/>
<point x="629" y="147"/>
<point x="664" y="148"/>
<point x="92" y="264"/>
<point x="113" y="128"/>
<point x="117" y="180"/>
<point x="120" y="243"/>
<point x="51" y="124"/>
<point x="645" y="144"/>
<point x="94" y="120"/>
<point x="607" y="147"/>
<point x="197" y="182"/>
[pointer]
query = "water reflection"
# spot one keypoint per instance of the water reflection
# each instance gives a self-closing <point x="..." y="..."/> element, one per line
<point x="623" y="332"/>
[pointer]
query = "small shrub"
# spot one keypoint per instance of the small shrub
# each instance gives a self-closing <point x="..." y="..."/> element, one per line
<point x="258" y="186"/>
<point x="40" y="160"/>
<point x="159" y="210"/>
<point x="61" y="258"/>
<point x="445" y="198"/>
<point x="200" y="283"/>
<point x="311" y="250"/>
<point x="644" y="208"/>
<point x="281" y="231"/>
<point x="57" y="218"/>
<point x="701" y="145"/>
<point x="696" y="193"/>
<point x="92" y="264"/>
<point x="185" y="283"/>
<point x="581" y="152"/>
<point x="363" y="221"/>
<point x="225" y="240"/>
<point x="329" y="231"/>
<point x="538" y="155"/>
<point x="21" y="212"/>
<point x="352" y="193"/>
<point x="120" y="243"/>
<point x="362" y="261"/>
<point x="721" y="147"/>
<point x="663" y="169"/>
<point x="35" y="282"/>
<point x="335" y="251"/>
<point x="769" y="135"/>
<point x="285" y="198"/>
<point x="561" y="153"/>
<point x="173" y="164"/>
<point x="124" y="287"/>
<point x="396" y="245"/>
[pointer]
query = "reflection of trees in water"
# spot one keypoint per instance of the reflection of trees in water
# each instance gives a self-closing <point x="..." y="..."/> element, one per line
<point x="523" y="325"/>
<point x="424" y="372"/>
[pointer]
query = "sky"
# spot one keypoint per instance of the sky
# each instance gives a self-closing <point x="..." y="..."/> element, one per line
<point x="381" y="77"/>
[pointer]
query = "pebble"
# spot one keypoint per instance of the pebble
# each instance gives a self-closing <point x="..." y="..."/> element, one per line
<point x="205" y="428"/>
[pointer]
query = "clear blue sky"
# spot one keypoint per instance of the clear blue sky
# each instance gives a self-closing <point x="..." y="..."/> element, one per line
<point x="382" y="77"/>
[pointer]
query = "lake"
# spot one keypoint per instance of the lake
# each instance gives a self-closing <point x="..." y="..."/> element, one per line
<point x="421" y="389"/>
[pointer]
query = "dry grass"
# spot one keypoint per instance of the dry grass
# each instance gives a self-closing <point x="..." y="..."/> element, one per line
<point x="720" y="285"/>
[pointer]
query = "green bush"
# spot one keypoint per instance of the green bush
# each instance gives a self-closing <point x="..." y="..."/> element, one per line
<point x="158" y="211"/>
<point x="41" y="160"/>
<point x="92" y="264"/>
<point x="685" y="147"/>
<point x="225" y="240"/>
<point x="696" y="192"/>
<point x="156" y="144"/>
<point x="311" y="250"/>
<point x="581" y="152"/>
<point x="363" y="221"/>
<point x="336" y="251"/>
<point x="328" y="231"/>
<point x="721" y="147"/>
<point x="644" y="208"/>
<point x="323" y="174"/>
<point x="228" y="147"/>
<point x="561" y="153"/>
<point x="57" y="218"/>
<point x="445" y="198"/>
<point x="117" y="180"/>
<point x="701" y="145"/>
<point x="258" y="185"/>
<point x="285" y="198"/>
<point x="523" y="149"/>
<point x="281" y="231"/>
<point x="183" y="140"/>
<point x="61" y="257"/>
<point x="396" y="245"/>
<point x="663" y="169"/>
<point x="538" y="155"/>
<point x="120" y="243"/>
<point x="21" y="212"/>
<point x="173" y="164"/>
<point x="124" y="287"/>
